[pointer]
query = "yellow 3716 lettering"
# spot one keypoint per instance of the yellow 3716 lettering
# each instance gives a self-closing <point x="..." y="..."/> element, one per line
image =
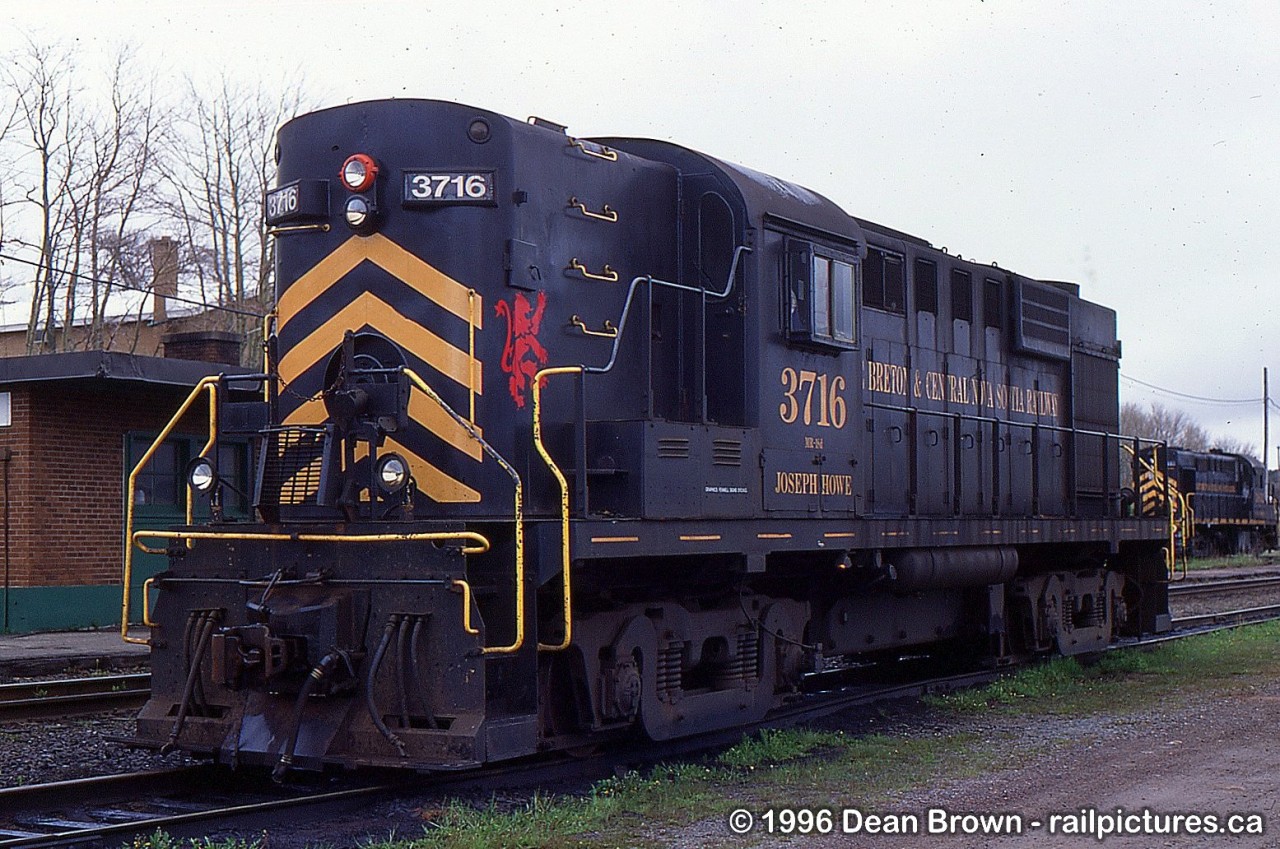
<point x="799" y="403"/>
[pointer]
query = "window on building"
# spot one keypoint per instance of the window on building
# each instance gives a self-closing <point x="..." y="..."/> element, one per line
<point x="961" y="295"/>
<point x="926" y="286"/>
<point x="160" y="481"/>
<point x="883" y="281"/>
<point x="6" y="409"/>
<point x="820" y="294"/>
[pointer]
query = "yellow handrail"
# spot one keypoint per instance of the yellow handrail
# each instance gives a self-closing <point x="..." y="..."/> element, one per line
<point x="211" y="385"/>
<point x="518" y="641"/>
<point x="466" y="605"/>
<point x="564" y="502"/>
<point x="268" y="322"/>
<point x="1181" y="515"/>
<point x="146" y="602"/>
<point x="204" y="452"/>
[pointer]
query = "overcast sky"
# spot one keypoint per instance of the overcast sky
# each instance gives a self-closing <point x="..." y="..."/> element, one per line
<point x="1130" y="147"/>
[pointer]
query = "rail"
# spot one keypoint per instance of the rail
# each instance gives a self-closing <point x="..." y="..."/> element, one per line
<point x="73" y="696"/>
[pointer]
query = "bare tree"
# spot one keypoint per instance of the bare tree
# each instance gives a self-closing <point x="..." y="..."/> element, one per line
<point x="8" y="117"/>
<point x="219" y="162"/>
<point x="87" y="176"/>
<point x="1162" y="423"/>
<point x="1232" y="445"/>
<point x="1179" y="429"/>
<point x="42" y="80"/>
<point x="121" y="183"/>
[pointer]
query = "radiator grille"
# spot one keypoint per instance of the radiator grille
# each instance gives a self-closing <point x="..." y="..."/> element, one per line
<point x="1043" y="322"/>
<point x="292" y="465"/>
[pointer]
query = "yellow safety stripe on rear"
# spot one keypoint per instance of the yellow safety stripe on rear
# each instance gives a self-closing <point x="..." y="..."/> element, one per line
<point x="432" y="482"/>
<point x="368" y="309"/>
<point x="425" y="279"/>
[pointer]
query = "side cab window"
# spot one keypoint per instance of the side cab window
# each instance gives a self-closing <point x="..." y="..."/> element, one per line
<point x="821" y="295"/>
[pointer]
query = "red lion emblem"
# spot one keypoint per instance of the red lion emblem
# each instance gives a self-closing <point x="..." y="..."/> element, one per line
<point x="523" y="353"/>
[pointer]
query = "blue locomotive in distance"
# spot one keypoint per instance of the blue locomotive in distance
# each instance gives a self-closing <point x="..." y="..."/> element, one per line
<point x="1230" y="509"/>
<point x="562" y="440"/>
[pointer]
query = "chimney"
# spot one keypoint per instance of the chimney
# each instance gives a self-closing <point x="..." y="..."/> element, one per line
<point x="164" y="275"/>
<point x="210" y="346"/>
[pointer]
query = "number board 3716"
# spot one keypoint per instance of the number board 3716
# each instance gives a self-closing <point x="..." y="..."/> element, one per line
<point x="431" y="188"/>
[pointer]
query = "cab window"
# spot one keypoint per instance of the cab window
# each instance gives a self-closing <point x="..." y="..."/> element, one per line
<point x="821" y="295"/>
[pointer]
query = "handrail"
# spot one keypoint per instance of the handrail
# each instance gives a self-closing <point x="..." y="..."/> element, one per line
<point x="1181" y="515"/>
<point x="518" y="641"/>
<point x="204" y="452"/>
<point x="209" y="384"/>
<point x="268" y="322"/>
<point x="567" y="603"/>
<point x="666" y="284"/>
<point x="481" y="544"/>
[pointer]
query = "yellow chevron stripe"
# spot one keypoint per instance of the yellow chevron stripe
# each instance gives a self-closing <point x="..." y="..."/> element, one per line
<point x="421" y="409"/>
<point x="432" y="482"/>
<point x="368" y="309"/>
<point x="424" y="278"/>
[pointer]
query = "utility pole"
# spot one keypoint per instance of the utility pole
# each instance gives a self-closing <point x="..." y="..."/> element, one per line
<point x="1266" y="434"/>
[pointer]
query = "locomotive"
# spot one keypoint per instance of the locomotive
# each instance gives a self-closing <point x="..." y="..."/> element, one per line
<point x="561" y="440"/>
<point x="1229" y="507"/>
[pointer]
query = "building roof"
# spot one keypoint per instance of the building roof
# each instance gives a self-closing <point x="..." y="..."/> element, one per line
<point x="110" y="365"/>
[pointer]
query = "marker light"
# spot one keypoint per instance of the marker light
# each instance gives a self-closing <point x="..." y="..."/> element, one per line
<point x="392" y="473"/>
<point x="359" y="172"/>
<point x="357" y="211"/>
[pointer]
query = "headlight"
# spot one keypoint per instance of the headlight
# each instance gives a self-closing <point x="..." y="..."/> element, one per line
<point x="359" y="172"/>
<point x="357" y="212"/>
<point x="201" y="476"/>
<point x="392" y="473"/>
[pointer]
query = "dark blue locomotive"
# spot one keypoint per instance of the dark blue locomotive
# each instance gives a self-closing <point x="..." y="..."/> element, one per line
<point x="1231" y="510"/>
<point x="566" y="439"/>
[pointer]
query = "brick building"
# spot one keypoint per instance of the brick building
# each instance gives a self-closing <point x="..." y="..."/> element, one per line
<point x="71" y="427"/>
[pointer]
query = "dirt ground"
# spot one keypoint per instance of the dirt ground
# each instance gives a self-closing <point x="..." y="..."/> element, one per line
<point x="1208" y="756"/>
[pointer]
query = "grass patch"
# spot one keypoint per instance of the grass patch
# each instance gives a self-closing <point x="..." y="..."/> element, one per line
<point x="1130" y="678"/>
<point x="647" y="808"/>
<point x="1232" y="561"/>
<point x="163" y="840"/>
<point x="773" y="746"/>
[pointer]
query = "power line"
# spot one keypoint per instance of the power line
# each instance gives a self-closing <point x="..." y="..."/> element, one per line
<point x="1190" y="397"/>
<point x="126" y="286"/>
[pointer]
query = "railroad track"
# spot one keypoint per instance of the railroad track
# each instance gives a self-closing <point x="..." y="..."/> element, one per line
<point x="186" y="802"/>
<point x="73" y="696"/>
<point x="1191" y="588"/>
<point x="1229" y="618"/>
<point x="197" y="801"/>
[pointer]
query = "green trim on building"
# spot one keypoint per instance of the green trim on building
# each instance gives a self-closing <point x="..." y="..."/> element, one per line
<point x="67" y="608"/>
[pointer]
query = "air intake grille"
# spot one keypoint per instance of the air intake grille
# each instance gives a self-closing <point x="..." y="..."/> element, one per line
<point x="292" y="465"/>
<point x="674" y="448"/>
<point x="726" y="452"/>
